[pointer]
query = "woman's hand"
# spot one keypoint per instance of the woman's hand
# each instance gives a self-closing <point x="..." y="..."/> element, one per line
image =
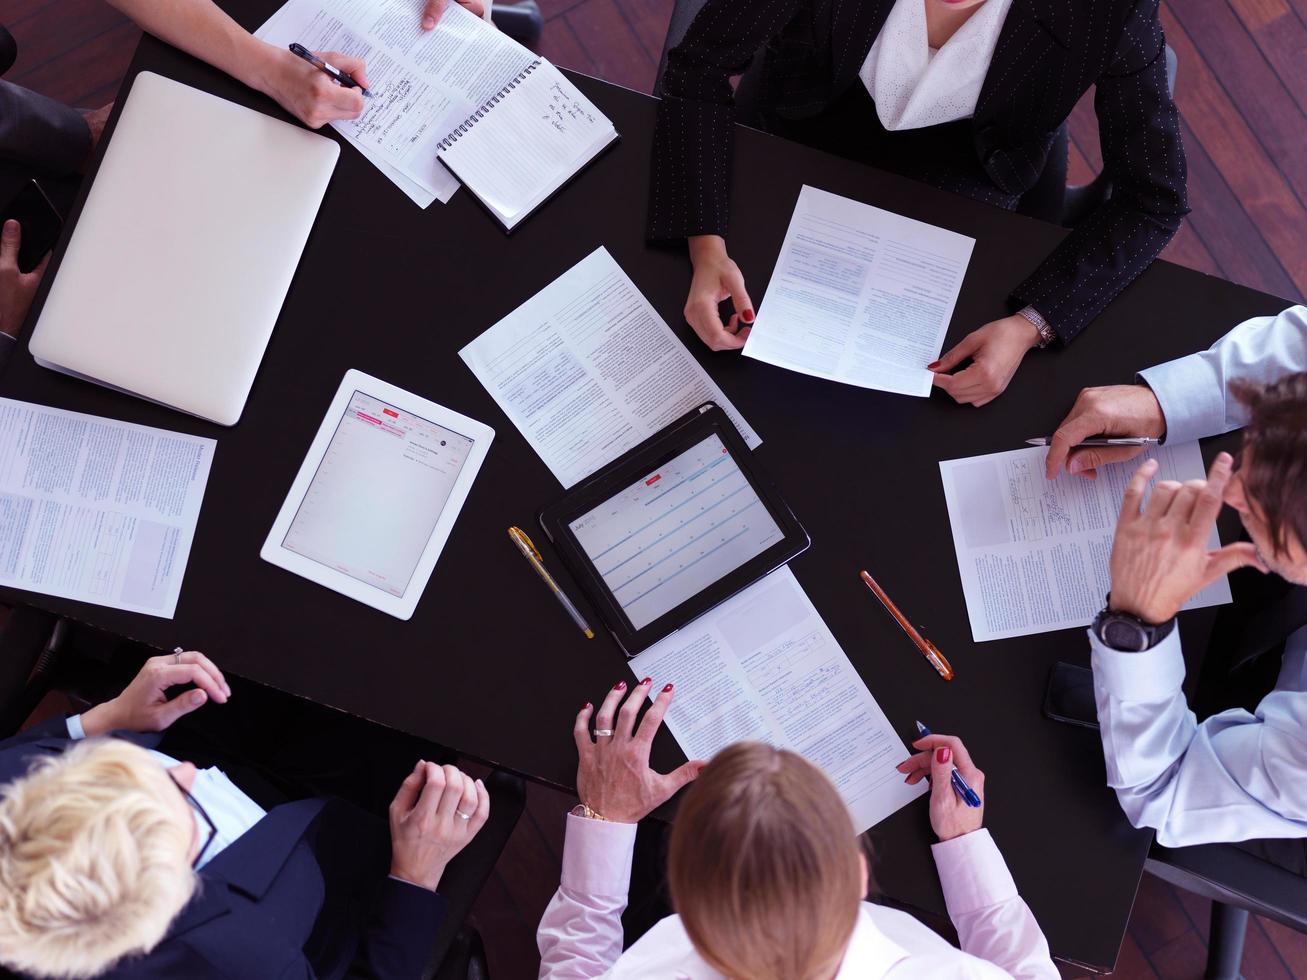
<point x="434" y="8"/>
<point x="144" y="706"/>
<point x="996" y="350"/>
<point x="613" y="777"/>
<point x="309" y="94"/>
<point x="435" y="814"/>
<point x="949" y="816"/>
<point x="715" y="278"/>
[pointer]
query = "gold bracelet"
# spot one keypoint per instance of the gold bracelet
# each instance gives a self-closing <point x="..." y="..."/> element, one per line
<point x="585" y="810"/>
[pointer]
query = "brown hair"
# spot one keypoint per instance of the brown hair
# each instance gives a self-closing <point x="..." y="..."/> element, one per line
<point x="763" y="866"/>
<point x="1274" y="462"/>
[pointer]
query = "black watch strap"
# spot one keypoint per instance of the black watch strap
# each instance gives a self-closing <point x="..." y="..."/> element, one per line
<point x="1128" y="633"/>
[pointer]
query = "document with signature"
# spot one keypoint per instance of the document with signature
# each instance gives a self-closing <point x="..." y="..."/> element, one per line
<point x="1033" y="553"/>
<point x="763" y="666"/>
<point x="587" y="368"/>
<point x="97" y="510"/>
<point x="860" y="295"/>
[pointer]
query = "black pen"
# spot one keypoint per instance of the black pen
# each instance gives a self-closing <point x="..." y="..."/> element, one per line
<point x="342" y="78"/>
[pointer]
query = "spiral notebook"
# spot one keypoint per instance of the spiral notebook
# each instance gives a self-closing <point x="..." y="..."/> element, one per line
<point x="525" y="142"/>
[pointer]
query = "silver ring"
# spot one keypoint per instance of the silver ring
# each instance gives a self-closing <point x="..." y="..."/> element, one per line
<point x="465" y="816"/>
<point x="177" y="655"/>
<point x="603" y="733"/>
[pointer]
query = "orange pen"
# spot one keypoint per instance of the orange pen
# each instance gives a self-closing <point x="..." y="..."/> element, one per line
<point x="928" y="649"/>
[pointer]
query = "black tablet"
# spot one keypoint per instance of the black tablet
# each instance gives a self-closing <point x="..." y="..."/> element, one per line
<point x="680" y="523"/>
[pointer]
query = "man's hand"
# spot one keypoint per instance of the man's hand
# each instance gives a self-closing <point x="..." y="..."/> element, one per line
<point x="16" y="288"/>
<point x="613" y="777"/>
<point x="717" y="277"/>
<point x="435" y="814"/>
<point x="1115" y="410"/>
<point x="949" y="815"/>
<point x="144" y="706"/>
<point x="434" y="8"/>
<point x="996" y="350"/>
<point x="1160" y="557"/>
<point x="310" y="95"/>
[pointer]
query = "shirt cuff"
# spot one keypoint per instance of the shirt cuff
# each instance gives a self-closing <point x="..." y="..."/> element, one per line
<point x="1149" y="675"/>
<point x="1191" y="395"/>
<point x="75" y="730"/>
<point x="972" y="873"/>
<point x="597" y="857"/>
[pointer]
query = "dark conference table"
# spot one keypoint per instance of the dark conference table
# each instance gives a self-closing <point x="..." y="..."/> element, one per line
<point x="489" y="664"/>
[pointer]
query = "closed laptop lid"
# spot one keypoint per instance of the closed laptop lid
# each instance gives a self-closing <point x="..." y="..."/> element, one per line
<point x="184" y="250"/>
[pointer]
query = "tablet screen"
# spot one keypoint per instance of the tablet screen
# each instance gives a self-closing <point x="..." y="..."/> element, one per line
<point x="377" y="494"/>
<point x="676" y="531"/>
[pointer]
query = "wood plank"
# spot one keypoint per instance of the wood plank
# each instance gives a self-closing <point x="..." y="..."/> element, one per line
<point x="1079" y="170"/>
<point x="1282" y="37"/>
<point x="1290" y="944"/>
<point x="87" y="70"/>
<point x="1232" y="146"/>
<point x="1157" y="919"/>
<point x="648" y="20"/>
<point x="560" y="45"/>
<point x="17" y="11"/>
<point x="551" y="9"/>
<point x="1261" y="961"/>
<point x="1181" y="959"/>
<point x="608" y="39"/>
<point x="1132" y="964"/>
<point x="58" y="29"/>
<point x="1187" y="249"/>
<point x="1258" y="92"/>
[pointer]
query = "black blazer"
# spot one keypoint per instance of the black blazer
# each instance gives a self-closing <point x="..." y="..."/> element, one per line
<point x="290" y="882"/>
<point x="1049" y="53"/>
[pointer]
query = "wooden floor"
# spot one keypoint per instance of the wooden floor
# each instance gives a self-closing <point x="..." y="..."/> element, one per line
<point x="1242" y="91"/>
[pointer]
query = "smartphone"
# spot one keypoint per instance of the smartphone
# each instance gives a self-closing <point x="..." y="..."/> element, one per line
<point x="1069" y="697"/>
<point x="40" y="221"/>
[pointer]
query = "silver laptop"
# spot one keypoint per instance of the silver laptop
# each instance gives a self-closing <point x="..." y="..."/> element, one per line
<point x="184" y="250"/>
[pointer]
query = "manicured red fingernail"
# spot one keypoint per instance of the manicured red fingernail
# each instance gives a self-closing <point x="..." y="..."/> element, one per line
<point x="667" y="689"/>
<point x="942" y="755"/>
<point x="932" y="365"/>
<point x="747" y="316"/>
<point x="647" y="681"/>
<point x="588" y="706"/>
<point x="620" y="686"/>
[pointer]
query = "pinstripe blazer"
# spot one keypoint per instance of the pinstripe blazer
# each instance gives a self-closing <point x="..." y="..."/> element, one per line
<point x="1048" y="55"/>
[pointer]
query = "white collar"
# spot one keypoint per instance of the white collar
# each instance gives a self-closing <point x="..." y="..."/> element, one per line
<point x="666" y="953"/>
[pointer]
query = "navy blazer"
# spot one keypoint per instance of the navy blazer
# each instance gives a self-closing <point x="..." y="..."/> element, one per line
<point x="1049" y="53"/>
<point x="291" y="881"/>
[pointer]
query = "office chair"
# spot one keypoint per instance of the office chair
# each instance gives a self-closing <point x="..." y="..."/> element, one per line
<point x="521" y="21"/>
<point x="41" y="653"/>
<point x="1050" y="199"/>
<point x="8" y="50"/>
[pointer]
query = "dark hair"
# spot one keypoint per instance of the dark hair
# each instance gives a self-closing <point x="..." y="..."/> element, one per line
<point x="1274" y="463"/>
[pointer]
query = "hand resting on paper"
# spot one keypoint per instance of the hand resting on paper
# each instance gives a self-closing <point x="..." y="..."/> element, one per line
<point x="434" y="8"/>
<point x="995" y="350"/>
<point x="613" y="777"/>
<point x="949" y="816"/>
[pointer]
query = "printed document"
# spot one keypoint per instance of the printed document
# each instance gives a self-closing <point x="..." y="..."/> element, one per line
<point x="586" y="369"/>
<point x="763" y="666"/>
<point x="97" y="510"/>
<point x="860" y="295"/>
<point x="1033" y="553"/>
<point x="424" y="84"/>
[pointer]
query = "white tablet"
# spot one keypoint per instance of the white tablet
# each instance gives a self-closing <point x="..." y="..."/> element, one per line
<point x="378" y="494"/>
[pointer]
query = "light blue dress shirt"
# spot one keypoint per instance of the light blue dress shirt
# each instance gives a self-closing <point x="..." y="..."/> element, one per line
<point x="1237" y="776"/>
<point x="231" y="811"/>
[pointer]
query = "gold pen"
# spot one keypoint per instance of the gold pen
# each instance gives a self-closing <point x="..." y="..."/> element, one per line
<point x="928" y="649"/>
<point x="530" y="553"/>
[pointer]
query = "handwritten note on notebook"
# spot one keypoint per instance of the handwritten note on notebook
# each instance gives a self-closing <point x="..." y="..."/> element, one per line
<point x="586" y="369"/>
<point x="1033" y="553"/>
<point x="763" y="666"/>
<point x="860" y="295"/>
<point x="97" y="510"/>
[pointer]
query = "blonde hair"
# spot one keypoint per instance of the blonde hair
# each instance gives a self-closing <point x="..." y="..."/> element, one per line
<point x="94" y="864"/>
<point x="764" y="867"/>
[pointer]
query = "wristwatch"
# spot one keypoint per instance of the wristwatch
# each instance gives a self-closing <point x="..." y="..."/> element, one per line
<point x="1046" y="334"/>
<point x="585" y="810"/>
<point x="1128" y="633"/>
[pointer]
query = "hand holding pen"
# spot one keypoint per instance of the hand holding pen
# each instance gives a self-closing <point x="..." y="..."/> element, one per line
<point x="957" y="787"/>
<point x="318" y="88"/>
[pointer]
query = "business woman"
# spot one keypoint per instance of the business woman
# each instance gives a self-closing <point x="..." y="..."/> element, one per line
<point x="964" y="94"/>
<point x="765" y="872"/>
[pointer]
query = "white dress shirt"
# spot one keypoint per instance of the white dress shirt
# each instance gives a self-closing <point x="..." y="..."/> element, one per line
<point x="915" y="86"/>
<point x="230" y="809"/>
<point x="580" y="935"/>
<point x="1238" y="775"/>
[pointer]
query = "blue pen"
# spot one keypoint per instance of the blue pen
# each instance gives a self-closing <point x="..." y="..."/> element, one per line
<point x="967" y="794"/>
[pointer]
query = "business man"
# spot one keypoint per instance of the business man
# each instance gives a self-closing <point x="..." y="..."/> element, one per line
<point x="119" y="861"/>
<point x="1237" y="774"/>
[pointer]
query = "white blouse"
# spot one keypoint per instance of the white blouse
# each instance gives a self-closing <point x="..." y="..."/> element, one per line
<point x="914" y="86"/>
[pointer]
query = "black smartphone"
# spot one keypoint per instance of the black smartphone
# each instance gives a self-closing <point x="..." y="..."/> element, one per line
<point x="39" y="221"/>
<point x="1070" y="695"/>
